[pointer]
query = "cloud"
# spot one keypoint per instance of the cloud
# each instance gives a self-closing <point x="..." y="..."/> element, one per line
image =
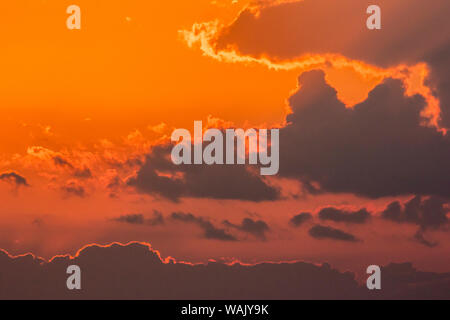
<point x="139" y="219"/>
<point x="250" y="226"/>
<point x="377" y="149"/>
<point x="156" y="220"/>
<point x="136" y="271"/>
<point x="324" y="232"/>
<point x="420" y="238"/>
<point x="60" y="161"/>
<point x="327" y="28"/>
<point x="131" y="219"/>
<point x="73" y="188"/>
<point x="402" y="279"/>
<point x="209" y="230"/>
<point x="159" y="176"/>
<point x="429" y="213"/>
<point x="300" y="219"/>
<point x="84" y="173"/>
<point x="14" y="178"/>
<point x="329" y="148"/>
<point x="439" y="62"/>
<point x="338" y="215"/>
<point x="335" y="27"/>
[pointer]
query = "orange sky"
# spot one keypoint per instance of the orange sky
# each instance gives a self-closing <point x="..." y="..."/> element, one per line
<point x="128" y="68"/>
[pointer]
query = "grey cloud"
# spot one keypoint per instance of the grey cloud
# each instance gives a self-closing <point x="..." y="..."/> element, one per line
<point x="419" y="36"/>
<point x="403" y="280"/>
<point x="324" y="232"/>
<point x="420" y="238"/>
<point x="209" y="230"/>
<point x="338" y="215"/>
<point x="82" y="173"/>
<point x="377" y="149"/>
<point x="199" y="181"/>
<point x="256" y="228"/>
<point x="430" y="213"/>
<point x="14" y="178"/>
<point x="73" y="188"/>
<point x="139" y="219"/>
<point x="135" y="271"/>
<point x="300" y="219"/>
<point x="156" y="220"/>
<point x="60" y="161"/>
<point x="329" y="148"/>
<point x="131" y="219"/>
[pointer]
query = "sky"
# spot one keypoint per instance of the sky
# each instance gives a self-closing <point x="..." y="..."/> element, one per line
<point x="87" y="117"/>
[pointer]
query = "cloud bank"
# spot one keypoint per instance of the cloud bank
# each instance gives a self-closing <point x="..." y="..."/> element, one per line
<point x="135" y="271"/>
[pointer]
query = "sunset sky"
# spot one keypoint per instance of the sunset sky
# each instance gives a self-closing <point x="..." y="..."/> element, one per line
<point x="365" y="159"/>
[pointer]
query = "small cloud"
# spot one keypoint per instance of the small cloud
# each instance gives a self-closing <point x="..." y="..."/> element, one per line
<point x="131" y="219"/>
<point x="338" y="215"/>
<point x="210" y="231"/>
<point x="156" y="220"/>
<point x="250" y="226"/>
<point x="139" y="219"/>
<point x="427" y="214"/>
<point x="420" y="238"/>
<point x="84" y="173"/>
<point x="14" y="178"/>
<point x="73" y="188"/>
<point x="430" y="213"/>
<point x="324" y="232"/>
<point x="300" y="219"/>
<point x="60" y="161"/>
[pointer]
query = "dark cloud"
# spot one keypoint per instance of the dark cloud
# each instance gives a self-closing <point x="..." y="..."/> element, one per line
<point x="115" y="183"/>
<point x="377" y="149"/>
<point x="14" y="178"/>
<point x="156" y="220"/>
<point x="159" y="176"/>
<point x="84" y="173"/>
<point x="256" y="228"/>
<point x="403" y="281"/>
<point x="338" y="215"/>
<point x="139" y="219"/>
<point x="324" y="232"/>
<point x="131" y="219"/>
<point x="300" y="219"/>
<point x="209" y="230"/>
<point x="73" y="188"/>
<point x="60" y="161"/>
<point x="340" y="28"/>
<point x="439" y="62"/>
<point x="429" y="213"/>
<point x="420" y="238"/>
<point x="135" y="271"/>
<point x="329" y="148"/>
